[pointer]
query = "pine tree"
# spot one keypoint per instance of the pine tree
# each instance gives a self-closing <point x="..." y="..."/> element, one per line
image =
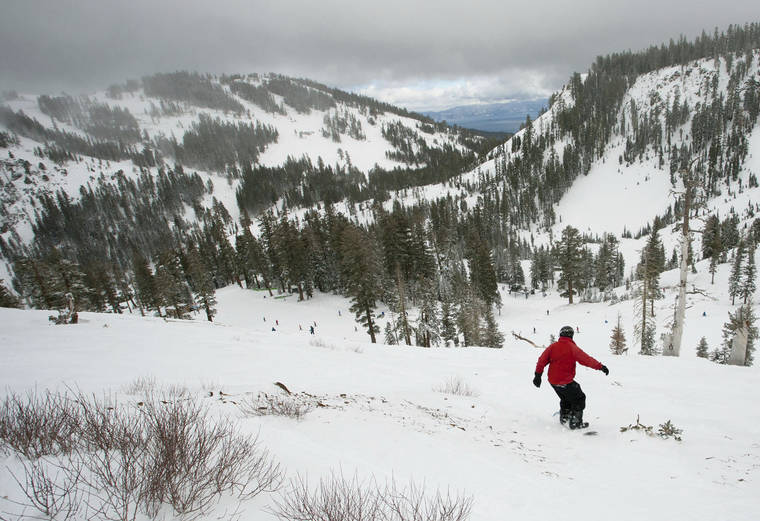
<point x="608" y="265"/>
<point x="8" y="299"/>
<point x="360" y="270"/>
<point x="468" y="319"/>
<point x="428" y="321"/>
<point x="651" y="265"/>
<point x="204" y="293"/>
<point x="735" y="278"/>
<point x="720" y="356"/>
<point x="491" y="336"/>
<point x="482" y="271"/>
<point x="103" y="289"/>
<point x="448" y="323"/>
<point x="748" y="286"/>
<point x="617" y="340"/>
<point x="172" y="285"/>
<point x="34" y="282"/>
<point x="712" y="244"/>
<point x="145" y="283"/>
<point x="68" y="283"/>
<point x="271" y="247"/>
<point x="294" y="254"/>
<point x="402" y="324"/>
<point x="644" y="328"/>
<point x="390" y="336"/>
<point x="569" y="260"/>
<point x="702" y="348"/>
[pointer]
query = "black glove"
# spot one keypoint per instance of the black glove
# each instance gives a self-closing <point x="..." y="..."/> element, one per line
<point x="605" y="370"/>
<point x="537" y="380"/>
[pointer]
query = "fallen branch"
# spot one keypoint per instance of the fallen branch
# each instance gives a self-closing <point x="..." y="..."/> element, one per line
<point x="531" y="342"/>
<point x="696" y="291"/>
<point x="283" y="387"/>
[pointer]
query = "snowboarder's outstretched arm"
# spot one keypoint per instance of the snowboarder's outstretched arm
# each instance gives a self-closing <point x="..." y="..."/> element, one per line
<point x="589" y="361"/>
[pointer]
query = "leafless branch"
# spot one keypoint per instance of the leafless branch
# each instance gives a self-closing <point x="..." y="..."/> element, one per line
<point x="531" y="342"/>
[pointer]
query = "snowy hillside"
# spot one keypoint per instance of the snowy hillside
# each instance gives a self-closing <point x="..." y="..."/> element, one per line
<point x="385" y="411"/>
<point x="344" y="132"/>
<point x="623" y="194"/>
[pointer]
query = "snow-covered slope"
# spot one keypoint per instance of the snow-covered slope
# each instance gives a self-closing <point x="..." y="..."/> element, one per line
<point x="385" y="416"/>
<point x="25" y="173"/>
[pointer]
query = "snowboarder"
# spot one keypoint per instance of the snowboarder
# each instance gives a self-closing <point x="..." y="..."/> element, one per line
<point x="561" y="357"/>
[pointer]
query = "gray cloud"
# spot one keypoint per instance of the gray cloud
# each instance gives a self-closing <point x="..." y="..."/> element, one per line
<point x="381" y="46"/>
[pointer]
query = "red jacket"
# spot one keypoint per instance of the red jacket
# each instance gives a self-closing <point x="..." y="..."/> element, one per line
<point x="561" y="357"/>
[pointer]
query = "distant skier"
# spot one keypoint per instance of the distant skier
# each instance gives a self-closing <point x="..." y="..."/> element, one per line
<point x="311" y="329"/>
<point x="561" y="357"/>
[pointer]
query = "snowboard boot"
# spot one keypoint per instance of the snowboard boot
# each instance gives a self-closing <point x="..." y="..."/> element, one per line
<point x="576" y="420"/>
<point x="564" y="416"/>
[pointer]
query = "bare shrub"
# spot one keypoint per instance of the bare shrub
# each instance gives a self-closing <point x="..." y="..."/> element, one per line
<point x="50" y="488"/>
<point x="339" y="499"/>
<point x="108" y="426"/>
<point x="456" y="386"/>
<point x="413" y="504"/>
<point x="125" y="459"/>
<point x="278" y="405"/>
<point x="335" y="499"/>
<point x="665" y="430"/>
<point x="39" y="424"/>
<point x="114" y="477"/>
<point x="142" y="386"/>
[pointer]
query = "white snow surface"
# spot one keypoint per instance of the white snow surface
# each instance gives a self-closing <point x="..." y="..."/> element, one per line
<point x="386" y="418"/>
<point x="642" y="190"/>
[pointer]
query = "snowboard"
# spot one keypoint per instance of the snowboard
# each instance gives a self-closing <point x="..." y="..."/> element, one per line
<point x="580" y="429"/>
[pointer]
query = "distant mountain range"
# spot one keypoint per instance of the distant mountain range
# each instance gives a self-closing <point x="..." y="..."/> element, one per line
<point x="491" y="117"/>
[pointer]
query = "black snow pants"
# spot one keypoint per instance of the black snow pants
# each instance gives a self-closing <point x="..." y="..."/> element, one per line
<point x="571" y="398"/>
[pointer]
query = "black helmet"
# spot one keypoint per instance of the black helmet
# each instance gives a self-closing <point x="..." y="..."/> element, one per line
<point x="566" y="331"/>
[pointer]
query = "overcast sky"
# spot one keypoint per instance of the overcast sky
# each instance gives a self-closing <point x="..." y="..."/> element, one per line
<point x="418" y="54"/>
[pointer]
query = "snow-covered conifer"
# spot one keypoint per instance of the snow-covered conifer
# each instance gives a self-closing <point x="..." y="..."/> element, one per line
<point x="702" y="348"/>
